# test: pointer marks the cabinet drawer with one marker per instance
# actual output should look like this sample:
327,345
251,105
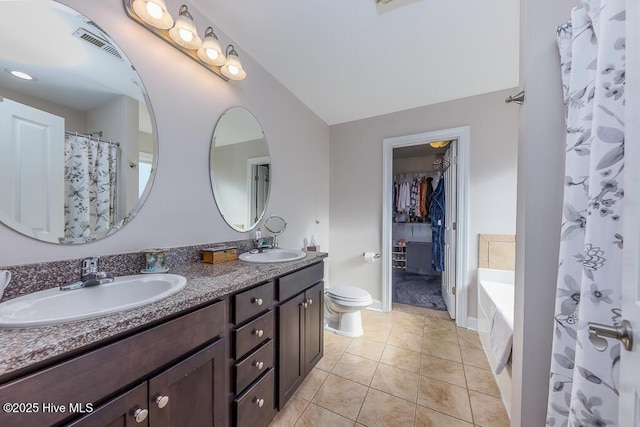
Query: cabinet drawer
252,302
250,335
253,366
255,408
111,367
294,283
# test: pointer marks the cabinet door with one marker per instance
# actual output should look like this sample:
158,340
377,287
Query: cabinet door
290,320
192,392
313,326
126,410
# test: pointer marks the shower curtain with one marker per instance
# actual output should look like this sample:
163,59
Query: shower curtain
583,389
90,176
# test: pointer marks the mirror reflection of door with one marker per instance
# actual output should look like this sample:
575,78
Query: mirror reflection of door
31,170
259,190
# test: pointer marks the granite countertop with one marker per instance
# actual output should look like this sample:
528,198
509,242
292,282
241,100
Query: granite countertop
20,348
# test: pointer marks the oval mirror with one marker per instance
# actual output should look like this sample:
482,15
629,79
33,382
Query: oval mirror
77,146
240,167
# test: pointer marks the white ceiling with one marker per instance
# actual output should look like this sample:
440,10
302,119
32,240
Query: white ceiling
352,59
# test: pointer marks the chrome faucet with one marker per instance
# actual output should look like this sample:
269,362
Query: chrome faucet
89,276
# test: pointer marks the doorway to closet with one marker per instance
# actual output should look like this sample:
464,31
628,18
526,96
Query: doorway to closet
424,221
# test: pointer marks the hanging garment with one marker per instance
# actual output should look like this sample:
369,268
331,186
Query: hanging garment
583,385
436,215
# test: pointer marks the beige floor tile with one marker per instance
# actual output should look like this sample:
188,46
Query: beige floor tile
488,411
426,417
311,384
444,397
395,381
355,368
481,380
316,416
440,334
334,346
443,370
290,413
376,332
468,338
341,396
475,357
407,340
436,323
401,358
381,409
337,341
366,348
443,350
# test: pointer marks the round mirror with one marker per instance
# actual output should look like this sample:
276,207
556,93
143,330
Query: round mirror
77,144
240,167
275,224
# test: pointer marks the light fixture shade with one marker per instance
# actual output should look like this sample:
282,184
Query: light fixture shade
184,31
211,51
232,68
154,13
439,144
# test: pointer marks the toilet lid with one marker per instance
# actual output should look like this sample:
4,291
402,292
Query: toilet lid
348,293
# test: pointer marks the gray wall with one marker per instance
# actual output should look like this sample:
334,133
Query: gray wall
356,181
187,101
540,188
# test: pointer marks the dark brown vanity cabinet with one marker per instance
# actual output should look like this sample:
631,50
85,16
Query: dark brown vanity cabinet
172,374
253,356
299,321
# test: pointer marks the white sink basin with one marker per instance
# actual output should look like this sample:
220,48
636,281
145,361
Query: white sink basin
55,306
273,255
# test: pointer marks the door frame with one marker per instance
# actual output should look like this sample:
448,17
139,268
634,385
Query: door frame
463,136
252,162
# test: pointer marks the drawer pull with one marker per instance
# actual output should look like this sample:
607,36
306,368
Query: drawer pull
258,401
258,365
162,401
140,415
257,301
258,332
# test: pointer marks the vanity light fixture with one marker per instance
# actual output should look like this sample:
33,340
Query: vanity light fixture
154,13
232,67
184,30
183,35
211,51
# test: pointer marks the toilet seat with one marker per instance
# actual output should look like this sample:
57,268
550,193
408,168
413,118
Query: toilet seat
349,295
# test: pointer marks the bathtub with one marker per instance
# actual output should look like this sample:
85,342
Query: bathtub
496,293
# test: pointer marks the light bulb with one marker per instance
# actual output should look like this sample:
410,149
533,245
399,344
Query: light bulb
21,75
185,35
233,69
212,54
154,10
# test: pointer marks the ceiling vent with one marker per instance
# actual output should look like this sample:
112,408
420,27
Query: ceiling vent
98,42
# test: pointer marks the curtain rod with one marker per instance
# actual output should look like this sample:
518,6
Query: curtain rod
92,136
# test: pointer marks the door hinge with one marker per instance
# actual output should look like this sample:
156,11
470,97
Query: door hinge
453,290
454,226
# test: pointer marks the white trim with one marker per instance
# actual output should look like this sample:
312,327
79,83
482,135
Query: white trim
251,162
463,135
472,323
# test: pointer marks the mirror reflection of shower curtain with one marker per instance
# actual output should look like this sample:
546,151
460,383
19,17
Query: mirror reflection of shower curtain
90,188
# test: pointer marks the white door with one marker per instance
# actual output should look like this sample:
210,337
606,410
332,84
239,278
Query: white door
451,214
630,360
31,170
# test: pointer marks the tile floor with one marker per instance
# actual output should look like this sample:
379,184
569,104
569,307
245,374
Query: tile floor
412,367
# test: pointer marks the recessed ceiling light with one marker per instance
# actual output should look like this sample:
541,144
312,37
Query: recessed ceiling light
20,74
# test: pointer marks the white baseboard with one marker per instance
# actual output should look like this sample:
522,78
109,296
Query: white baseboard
376,305
472,323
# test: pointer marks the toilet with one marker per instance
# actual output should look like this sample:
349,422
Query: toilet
342,308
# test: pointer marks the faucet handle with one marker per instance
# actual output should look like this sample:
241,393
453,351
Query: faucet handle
89,267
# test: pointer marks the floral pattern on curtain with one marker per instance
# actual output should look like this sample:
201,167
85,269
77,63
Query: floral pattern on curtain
583,389
90,176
